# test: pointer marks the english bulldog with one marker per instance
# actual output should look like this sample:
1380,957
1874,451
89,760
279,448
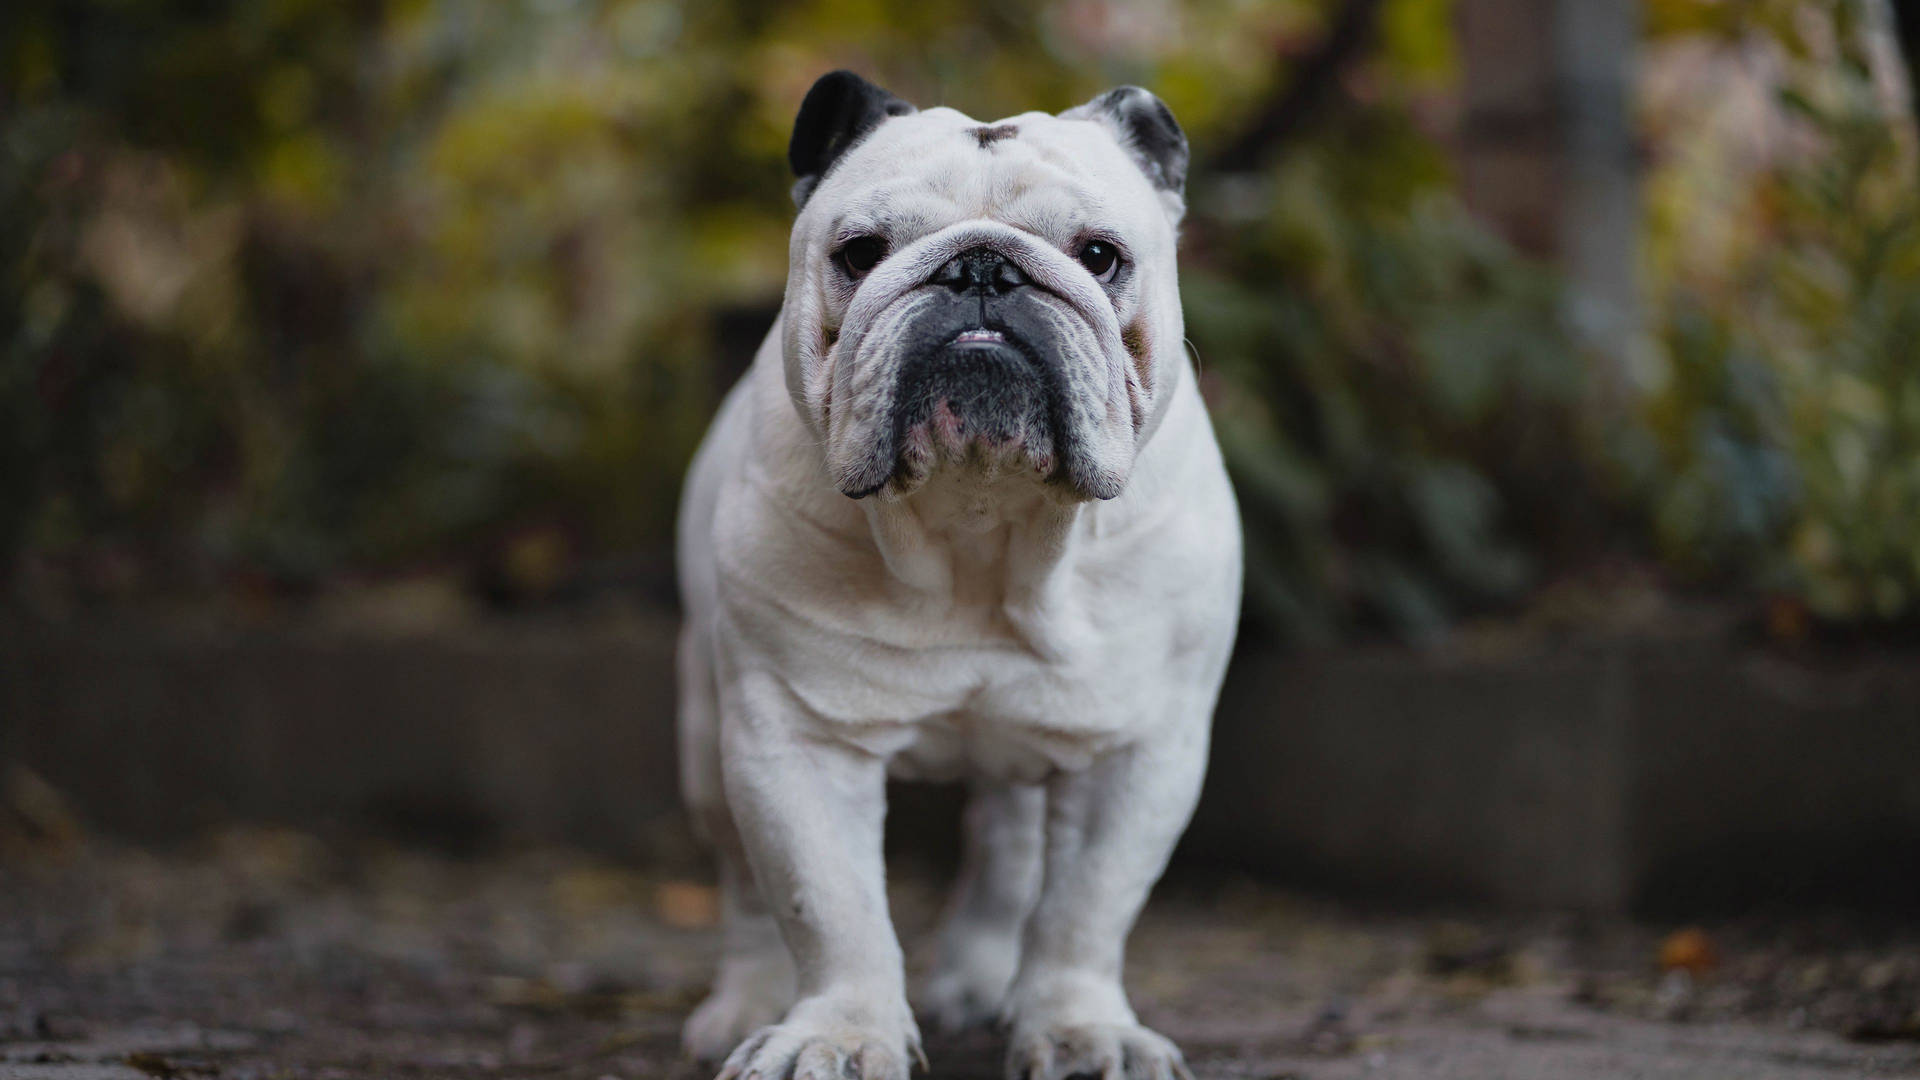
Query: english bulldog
963,518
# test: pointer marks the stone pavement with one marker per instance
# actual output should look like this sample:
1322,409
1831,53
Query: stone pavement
275,954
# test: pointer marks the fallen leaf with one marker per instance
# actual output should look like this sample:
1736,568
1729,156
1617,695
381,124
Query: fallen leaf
1689,950
687,905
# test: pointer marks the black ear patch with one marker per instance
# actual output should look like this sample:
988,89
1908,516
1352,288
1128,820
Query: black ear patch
1146,128
838,112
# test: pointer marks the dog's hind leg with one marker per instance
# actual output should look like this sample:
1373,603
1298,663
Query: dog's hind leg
1000,871
755,983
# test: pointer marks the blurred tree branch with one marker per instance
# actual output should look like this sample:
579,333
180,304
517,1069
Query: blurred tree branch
1906,19
1315,78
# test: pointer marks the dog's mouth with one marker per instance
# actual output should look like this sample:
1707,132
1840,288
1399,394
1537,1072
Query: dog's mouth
983,399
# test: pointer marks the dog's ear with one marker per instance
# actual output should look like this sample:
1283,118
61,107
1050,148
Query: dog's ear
839,111
1146,128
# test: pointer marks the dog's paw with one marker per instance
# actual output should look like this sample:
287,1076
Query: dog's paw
746,998
956,1000
1110,1051
826,1040
726,1018
969,984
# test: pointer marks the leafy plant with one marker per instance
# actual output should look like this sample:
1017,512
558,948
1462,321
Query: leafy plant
1390,381
1789,418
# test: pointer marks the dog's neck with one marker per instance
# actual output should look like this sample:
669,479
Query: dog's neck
965,539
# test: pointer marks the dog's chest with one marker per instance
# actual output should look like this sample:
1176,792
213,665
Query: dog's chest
994,708
1020,723
1024,664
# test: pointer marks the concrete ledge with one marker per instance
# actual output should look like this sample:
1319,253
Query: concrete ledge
1631,776
459,740
1641,776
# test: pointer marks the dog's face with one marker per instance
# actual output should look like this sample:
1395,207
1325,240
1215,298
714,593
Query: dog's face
999,297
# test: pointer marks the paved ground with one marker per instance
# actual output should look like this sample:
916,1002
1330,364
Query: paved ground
270,954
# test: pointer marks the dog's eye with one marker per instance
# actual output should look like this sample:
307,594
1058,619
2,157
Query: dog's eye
1101,259
861,254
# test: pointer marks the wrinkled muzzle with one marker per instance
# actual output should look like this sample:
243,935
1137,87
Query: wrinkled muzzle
980,347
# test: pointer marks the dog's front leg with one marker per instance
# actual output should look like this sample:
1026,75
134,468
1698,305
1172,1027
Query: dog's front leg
810,811
1110,829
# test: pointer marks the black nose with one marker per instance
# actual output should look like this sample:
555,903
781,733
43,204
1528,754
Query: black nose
980,269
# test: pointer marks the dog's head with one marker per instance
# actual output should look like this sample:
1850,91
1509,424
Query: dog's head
997,296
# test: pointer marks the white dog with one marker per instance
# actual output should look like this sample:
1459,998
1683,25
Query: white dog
964,517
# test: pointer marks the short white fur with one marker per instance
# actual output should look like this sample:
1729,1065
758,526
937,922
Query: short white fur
1061,653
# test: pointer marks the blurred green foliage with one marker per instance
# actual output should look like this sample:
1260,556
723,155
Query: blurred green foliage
302,289
1787,413
1374,350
